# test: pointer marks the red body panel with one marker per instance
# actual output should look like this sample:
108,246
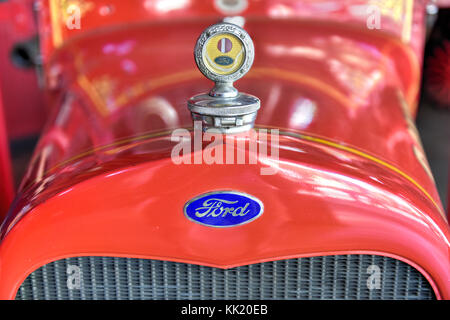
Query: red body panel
351,177
6,180
404,18
21,94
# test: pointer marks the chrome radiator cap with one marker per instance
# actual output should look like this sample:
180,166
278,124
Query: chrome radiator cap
224,53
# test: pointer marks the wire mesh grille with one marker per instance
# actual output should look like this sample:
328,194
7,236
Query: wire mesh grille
324,277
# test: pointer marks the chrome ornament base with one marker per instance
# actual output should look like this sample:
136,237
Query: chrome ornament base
225,115
224,53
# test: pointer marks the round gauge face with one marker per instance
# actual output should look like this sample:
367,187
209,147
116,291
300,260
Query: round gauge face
223,54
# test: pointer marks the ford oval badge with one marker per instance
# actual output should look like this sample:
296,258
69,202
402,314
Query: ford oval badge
223,60
223,209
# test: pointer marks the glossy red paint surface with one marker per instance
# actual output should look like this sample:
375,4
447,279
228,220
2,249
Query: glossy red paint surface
404,18
349,179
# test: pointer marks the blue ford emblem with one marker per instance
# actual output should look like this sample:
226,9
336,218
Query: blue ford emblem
223,209
223,60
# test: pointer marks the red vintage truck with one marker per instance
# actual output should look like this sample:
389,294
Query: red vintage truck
350,211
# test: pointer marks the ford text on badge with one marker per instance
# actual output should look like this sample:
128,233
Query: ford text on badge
223,209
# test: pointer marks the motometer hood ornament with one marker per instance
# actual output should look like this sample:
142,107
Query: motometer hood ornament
224,53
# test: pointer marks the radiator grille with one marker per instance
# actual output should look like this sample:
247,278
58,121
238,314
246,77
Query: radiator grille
325,277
